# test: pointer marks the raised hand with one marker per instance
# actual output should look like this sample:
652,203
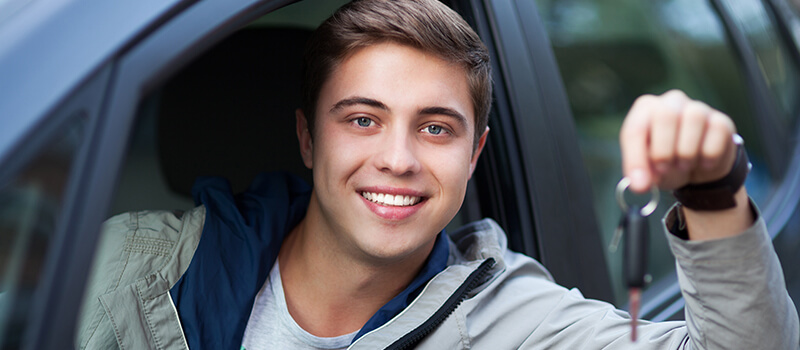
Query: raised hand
671,141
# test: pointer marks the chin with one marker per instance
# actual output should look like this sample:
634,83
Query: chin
394,249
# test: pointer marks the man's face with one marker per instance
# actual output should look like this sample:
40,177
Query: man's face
392,151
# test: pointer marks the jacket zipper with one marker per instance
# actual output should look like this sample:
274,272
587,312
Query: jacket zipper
412,338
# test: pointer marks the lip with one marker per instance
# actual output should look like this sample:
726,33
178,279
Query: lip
392,213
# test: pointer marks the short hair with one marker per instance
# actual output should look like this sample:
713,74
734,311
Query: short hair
427,25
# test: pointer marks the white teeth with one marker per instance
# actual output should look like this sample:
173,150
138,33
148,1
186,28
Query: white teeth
390,200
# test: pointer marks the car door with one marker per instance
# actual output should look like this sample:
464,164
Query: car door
61,160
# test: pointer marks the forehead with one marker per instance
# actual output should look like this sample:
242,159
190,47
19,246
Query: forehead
400,76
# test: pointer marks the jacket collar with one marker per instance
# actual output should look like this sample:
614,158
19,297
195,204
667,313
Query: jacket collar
241,238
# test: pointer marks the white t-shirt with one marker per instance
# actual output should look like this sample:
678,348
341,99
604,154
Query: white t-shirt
272,327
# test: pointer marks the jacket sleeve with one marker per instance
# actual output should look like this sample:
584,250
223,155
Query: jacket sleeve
132,247
734,290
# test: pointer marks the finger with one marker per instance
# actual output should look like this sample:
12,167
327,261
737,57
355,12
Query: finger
691,133
664,130
717,144
662,139
634,141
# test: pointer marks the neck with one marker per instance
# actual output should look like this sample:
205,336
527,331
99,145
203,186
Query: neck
329,291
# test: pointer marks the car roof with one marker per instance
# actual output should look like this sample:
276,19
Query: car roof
48,48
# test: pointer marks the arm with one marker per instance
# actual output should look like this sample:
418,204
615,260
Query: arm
729,274
734,290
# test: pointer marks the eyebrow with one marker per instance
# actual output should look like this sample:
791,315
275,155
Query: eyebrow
460,118
434,110
352,101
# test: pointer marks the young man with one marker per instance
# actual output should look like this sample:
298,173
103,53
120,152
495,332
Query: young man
396,102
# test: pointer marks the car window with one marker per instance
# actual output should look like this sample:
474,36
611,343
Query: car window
30,206
776,64
609,54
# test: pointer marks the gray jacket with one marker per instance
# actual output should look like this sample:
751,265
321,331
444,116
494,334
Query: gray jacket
734,291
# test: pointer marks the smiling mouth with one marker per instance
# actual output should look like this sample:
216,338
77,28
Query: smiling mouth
391,200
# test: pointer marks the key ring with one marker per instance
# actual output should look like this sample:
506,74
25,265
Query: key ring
648,209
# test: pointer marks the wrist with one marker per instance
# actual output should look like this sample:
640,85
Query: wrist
717,224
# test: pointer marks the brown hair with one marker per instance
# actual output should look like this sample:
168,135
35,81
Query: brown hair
427,25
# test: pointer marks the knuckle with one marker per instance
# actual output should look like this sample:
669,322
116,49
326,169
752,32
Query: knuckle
720,122
675,93
696,111
646,99
666,116
712,151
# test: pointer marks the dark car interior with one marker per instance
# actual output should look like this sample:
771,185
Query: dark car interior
230,113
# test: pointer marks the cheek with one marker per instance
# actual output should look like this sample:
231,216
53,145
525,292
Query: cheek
337,155
450,166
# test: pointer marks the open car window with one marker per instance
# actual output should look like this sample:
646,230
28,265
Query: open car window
608,55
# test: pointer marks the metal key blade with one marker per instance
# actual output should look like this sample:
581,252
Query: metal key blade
635,299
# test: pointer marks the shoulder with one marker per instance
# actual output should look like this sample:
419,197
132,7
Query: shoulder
515,278
486,239
133,245
517,295
137,243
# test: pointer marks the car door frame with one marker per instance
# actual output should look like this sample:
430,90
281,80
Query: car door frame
539,139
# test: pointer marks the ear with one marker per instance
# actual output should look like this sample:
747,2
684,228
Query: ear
304,138
477,153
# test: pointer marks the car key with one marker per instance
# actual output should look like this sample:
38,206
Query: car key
633,227
634,260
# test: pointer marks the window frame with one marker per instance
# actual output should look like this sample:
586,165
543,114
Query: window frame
528,84
61,280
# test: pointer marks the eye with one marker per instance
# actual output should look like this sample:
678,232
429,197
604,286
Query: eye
363,122
433,129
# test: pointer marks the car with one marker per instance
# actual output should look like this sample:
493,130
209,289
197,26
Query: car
113,107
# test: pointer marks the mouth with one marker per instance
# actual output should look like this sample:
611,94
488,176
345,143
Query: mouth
391,200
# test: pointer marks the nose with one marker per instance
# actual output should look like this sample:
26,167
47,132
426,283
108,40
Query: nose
398,155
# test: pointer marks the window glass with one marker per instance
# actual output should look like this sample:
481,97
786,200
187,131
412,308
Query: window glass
30,205
777,65
609,53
